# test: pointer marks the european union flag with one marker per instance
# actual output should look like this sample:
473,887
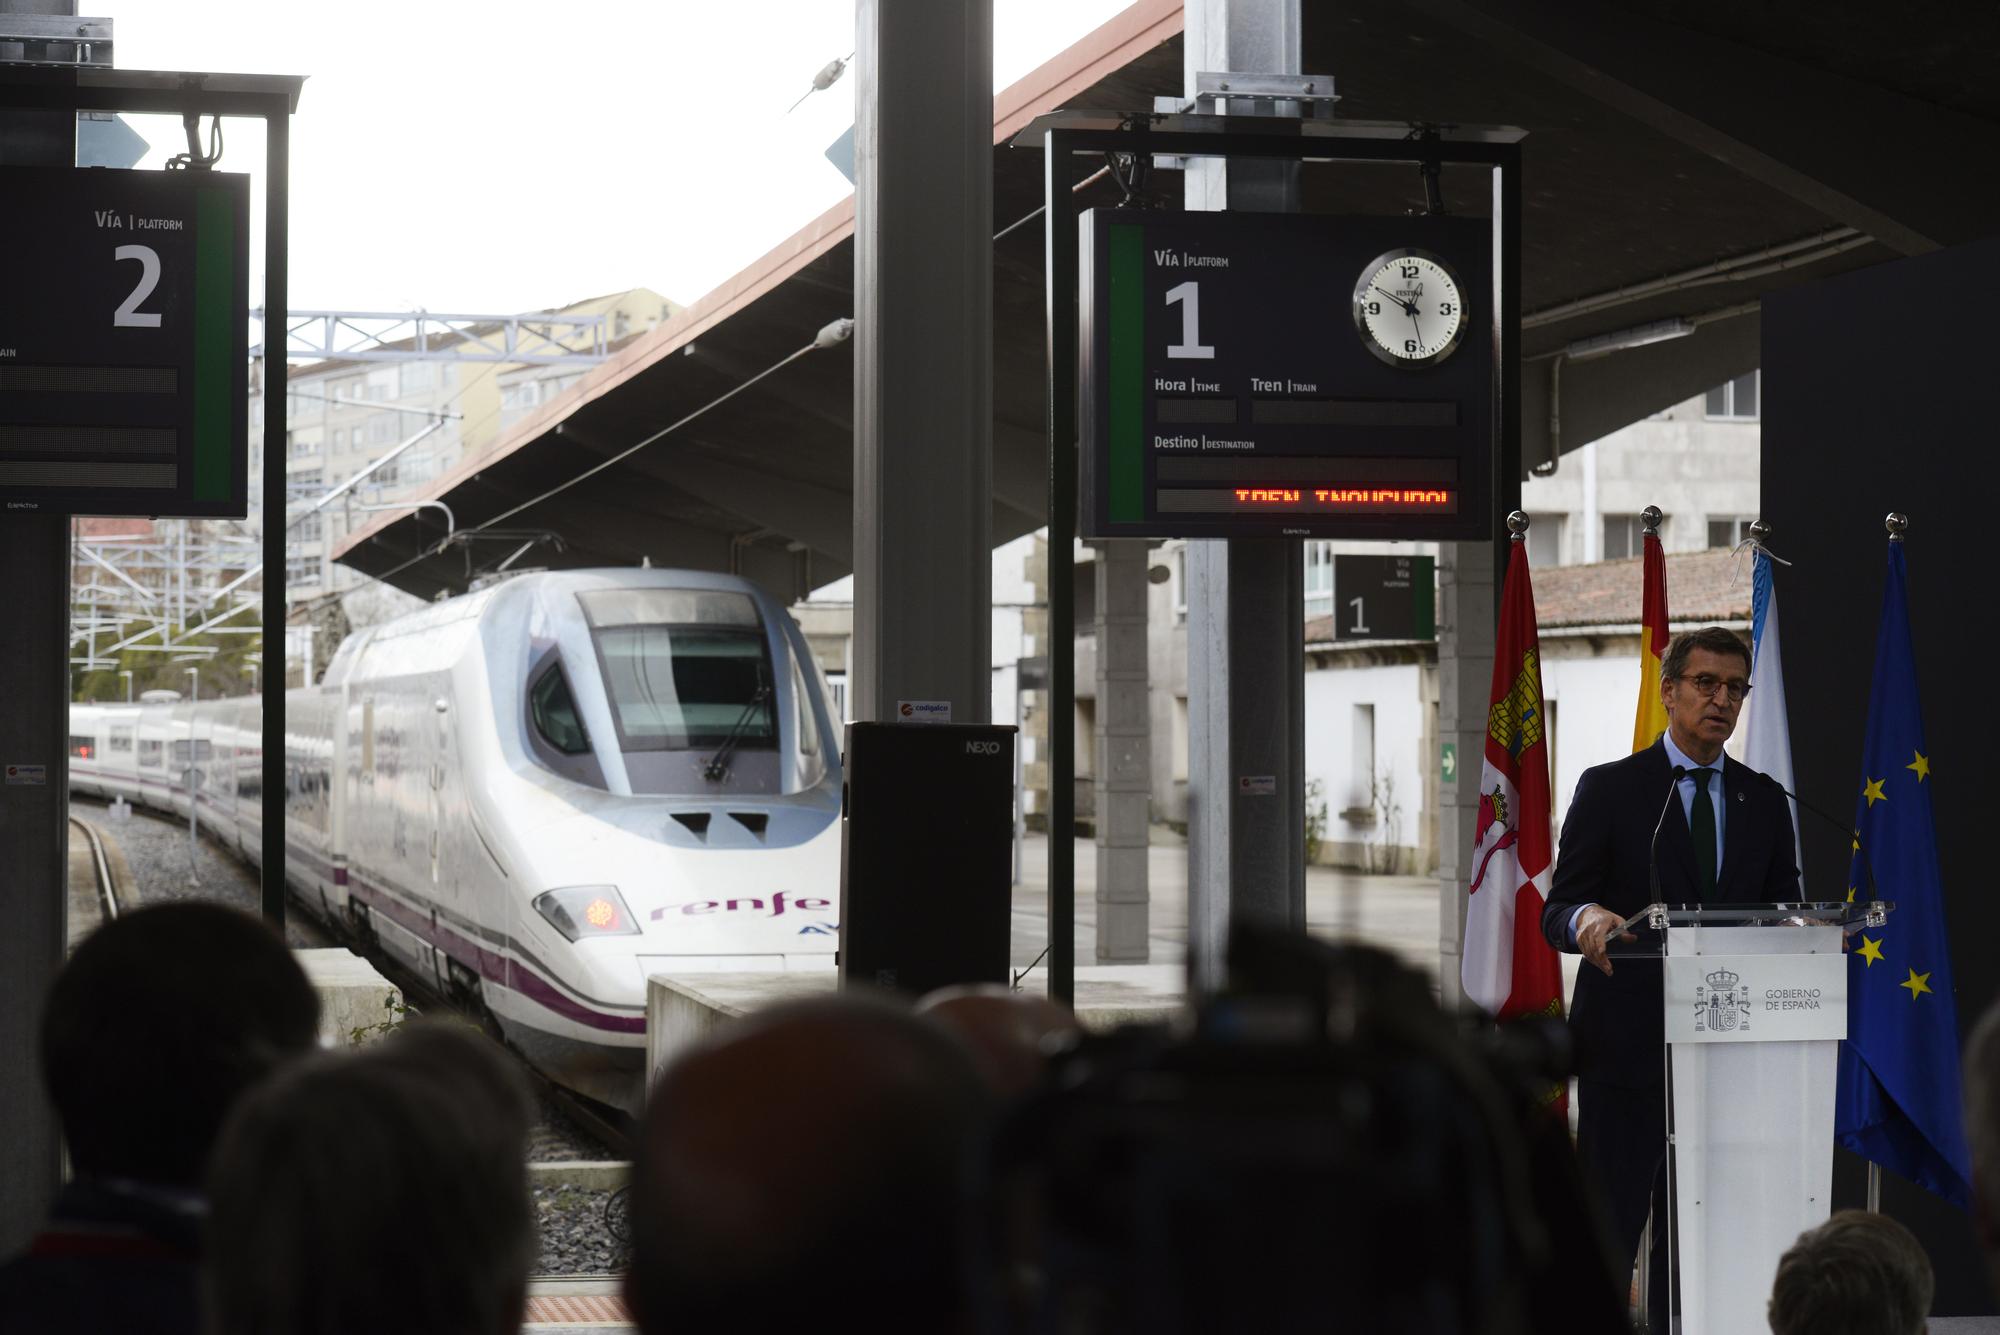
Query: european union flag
1898,1103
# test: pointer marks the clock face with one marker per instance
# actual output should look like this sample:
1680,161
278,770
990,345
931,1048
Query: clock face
1408,308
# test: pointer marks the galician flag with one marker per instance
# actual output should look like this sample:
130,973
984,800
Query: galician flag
1763,739
1508,968
1898,1098
1651,718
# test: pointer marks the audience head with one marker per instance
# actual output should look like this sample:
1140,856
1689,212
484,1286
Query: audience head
383,1190
820,1138
1856,1274
1982,1130
154,1028
1007,1033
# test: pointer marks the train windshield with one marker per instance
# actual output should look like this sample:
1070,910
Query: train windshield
684,668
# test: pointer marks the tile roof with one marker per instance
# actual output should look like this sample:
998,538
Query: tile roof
1702,588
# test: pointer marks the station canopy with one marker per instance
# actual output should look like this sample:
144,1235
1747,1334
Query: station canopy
1681,159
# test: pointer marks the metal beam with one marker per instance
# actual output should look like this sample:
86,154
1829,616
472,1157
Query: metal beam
531,339
1863,155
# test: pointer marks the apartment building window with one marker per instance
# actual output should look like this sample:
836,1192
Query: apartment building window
1624,535
388,475
301,570
1736,400
416,376
1545,541
381,428
1727,533
296,448
307,527
382,385
1319,579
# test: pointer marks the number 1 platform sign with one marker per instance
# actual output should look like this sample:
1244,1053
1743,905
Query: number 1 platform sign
124,359
1296,375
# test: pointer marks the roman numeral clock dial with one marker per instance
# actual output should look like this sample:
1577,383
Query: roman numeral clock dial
1409,309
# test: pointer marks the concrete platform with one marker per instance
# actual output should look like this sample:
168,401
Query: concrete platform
1397,913
353,997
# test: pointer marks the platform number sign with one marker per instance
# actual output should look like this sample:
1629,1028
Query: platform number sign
124,358
1286,375
1384,597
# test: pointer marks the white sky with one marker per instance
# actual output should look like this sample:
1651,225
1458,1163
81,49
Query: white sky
505,156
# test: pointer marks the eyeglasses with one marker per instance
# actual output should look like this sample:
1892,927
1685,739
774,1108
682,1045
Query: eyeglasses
1707,685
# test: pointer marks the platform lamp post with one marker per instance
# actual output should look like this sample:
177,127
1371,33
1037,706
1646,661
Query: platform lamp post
193,776
126,673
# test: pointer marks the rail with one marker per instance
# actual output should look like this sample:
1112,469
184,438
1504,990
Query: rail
107,892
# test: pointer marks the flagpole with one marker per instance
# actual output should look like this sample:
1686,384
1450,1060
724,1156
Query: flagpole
1897,525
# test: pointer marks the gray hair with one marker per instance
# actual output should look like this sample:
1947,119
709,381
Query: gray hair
1856,1274
1712,638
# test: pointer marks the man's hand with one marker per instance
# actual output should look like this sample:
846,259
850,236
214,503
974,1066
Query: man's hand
1593,935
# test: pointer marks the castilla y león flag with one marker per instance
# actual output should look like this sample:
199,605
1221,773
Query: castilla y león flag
1508,967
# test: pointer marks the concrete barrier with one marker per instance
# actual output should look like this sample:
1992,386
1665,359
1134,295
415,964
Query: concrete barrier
355,1001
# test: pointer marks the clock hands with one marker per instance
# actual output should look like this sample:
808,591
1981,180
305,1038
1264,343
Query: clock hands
1408,307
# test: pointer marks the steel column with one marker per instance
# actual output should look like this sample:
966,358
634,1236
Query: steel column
1246,596
34,817
271,869
923,364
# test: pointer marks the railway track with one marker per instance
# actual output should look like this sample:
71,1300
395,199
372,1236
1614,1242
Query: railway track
107,889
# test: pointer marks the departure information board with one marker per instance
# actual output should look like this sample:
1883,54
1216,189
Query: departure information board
124,357
1298,375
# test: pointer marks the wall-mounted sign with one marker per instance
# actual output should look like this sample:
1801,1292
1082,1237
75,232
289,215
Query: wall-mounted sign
1286,375
124,358
1384,597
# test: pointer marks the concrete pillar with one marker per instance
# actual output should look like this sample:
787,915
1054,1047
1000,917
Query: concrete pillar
923,356
34,730
1246,597
1468,603
1124,754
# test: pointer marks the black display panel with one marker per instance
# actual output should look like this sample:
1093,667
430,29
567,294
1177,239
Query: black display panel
1287,375
124,342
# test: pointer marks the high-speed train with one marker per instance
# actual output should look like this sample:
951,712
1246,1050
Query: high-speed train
537,795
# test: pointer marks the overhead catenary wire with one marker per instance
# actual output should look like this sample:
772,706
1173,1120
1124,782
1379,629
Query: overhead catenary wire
829,336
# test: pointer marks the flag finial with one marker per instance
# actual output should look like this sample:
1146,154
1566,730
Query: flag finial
1651,517
1897,524
1517,524
1760,532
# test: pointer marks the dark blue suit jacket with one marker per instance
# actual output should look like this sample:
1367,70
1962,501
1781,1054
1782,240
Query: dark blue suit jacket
1616,1022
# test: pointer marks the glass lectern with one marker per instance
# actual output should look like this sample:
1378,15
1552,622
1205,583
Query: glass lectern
1755,1001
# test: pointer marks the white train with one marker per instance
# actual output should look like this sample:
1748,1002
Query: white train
536,796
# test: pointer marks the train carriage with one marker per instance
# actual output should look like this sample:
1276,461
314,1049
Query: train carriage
537,795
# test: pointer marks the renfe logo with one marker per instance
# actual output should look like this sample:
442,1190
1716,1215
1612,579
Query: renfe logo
778,905
982,748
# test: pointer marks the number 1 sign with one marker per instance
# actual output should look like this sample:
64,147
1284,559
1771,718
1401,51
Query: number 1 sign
124,358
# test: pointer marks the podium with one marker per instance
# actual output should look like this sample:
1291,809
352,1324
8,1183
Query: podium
1755,1001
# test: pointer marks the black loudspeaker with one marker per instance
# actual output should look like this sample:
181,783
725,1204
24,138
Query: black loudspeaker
926,855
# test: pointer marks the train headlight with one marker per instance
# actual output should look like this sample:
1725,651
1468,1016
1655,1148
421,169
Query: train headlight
578,911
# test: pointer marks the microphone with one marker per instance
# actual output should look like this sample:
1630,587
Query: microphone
1867,865
1653,853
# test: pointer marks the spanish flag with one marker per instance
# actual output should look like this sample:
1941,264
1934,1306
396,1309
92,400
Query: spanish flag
1651,719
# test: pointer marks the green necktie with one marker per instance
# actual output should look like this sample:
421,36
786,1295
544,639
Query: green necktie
1701,824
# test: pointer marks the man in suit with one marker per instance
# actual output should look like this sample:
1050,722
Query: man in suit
1725,837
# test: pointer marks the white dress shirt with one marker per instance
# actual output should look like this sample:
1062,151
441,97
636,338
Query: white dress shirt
1686,788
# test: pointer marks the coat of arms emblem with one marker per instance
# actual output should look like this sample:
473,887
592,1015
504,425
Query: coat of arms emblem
1723,1004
